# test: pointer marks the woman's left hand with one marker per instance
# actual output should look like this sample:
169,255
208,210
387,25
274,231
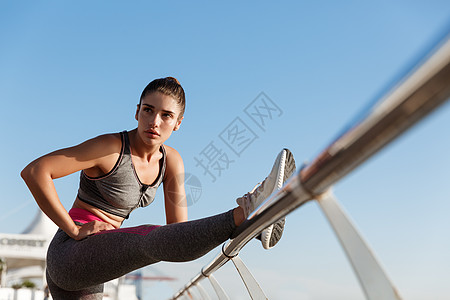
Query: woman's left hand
91,228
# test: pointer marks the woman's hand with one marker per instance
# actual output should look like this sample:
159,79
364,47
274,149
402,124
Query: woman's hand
91,228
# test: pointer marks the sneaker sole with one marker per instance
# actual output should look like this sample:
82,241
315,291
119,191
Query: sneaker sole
272,234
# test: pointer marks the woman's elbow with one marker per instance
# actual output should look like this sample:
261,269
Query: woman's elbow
30,171
25,174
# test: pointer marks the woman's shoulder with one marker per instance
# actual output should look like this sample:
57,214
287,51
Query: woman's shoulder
172,155
107,140
102,145
110,137
174,161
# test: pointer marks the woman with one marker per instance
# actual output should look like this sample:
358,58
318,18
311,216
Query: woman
120,172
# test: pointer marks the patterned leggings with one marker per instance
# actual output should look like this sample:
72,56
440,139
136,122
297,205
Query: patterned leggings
78,269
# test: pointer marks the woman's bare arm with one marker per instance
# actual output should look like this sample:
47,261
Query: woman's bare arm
39,175
174,193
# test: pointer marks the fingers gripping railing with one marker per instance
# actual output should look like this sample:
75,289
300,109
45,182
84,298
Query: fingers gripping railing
421,91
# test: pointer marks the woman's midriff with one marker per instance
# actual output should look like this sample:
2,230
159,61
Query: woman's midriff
114,220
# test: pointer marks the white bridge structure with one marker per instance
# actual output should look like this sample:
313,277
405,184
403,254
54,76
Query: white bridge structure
23,257
422,90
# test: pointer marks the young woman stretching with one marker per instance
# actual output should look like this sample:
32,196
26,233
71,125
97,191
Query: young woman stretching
120,172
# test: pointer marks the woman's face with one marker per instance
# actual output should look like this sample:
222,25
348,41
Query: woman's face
157,116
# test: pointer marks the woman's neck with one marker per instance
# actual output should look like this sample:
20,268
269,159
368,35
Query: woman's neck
140,149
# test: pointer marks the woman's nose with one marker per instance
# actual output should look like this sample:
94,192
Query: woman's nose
155,120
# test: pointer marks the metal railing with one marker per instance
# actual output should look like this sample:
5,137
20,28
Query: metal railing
423,89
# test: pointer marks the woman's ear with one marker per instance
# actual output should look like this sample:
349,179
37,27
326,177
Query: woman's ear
177,126
137,112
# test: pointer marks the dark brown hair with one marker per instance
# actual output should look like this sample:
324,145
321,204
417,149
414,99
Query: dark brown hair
169,86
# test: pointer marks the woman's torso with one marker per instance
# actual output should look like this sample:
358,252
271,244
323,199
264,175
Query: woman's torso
122,180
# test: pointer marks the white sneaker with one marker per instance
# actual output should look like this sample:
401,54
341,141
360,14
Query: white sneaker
282,169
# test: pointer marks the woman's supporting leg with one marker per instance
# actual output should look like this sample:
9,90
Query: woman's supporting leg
79,265
92,293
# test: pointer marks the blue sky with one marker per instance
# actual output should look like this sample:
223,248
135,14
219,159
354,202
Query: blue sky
70,71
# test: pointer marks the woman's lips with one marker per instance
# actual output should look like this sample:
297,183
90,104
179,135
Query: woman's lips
152,133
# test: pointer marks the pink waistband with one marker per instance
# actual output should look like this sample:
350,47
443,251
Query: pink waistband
82,215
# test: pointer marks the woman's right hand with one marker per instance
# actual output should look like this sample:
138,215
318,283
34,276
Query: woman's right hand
91,228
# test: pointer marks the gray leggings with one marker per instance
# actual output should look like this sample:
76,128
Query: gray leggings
78,269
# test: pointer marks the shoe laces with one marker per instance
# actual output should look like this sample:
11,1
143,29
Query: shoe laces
258,189
253,195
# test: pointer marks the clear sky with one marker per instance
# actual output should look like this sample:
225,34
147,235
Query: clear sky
74,70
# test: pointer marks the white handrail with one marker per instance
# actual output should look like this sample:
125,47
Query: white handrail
421,91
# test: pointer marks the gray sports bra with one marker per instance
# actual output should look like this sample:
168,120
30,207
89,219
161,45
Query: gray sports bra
120,191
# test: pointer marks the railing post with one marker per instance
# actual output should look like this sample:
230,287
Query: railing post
218,288
253,288
189,294
202,292
372,277
185,297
